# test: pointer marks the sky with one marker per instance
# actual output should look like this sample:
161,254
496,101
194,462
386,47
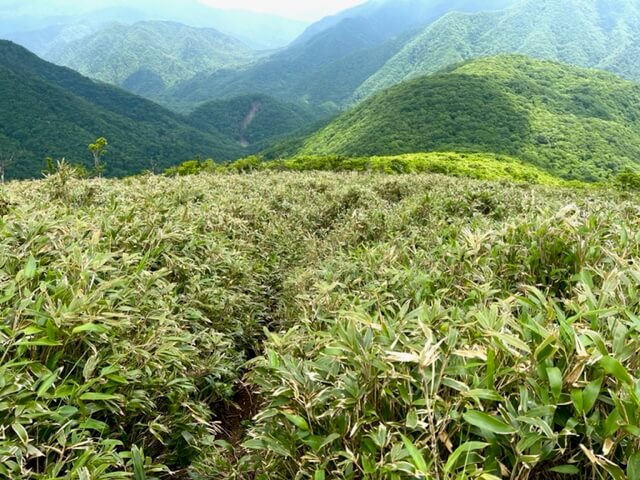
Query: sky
308,10
299,9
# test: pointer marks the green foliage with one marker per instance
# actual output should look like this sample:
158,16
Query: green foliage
245,165
191,167
127,319
148,57
478,166
98,150
459,343
628,180
577,32
285,325
51,111
574,123
253,121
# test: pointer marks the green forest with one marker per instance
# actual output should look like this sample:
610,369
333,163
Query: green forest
146,58
573,122
61,112
600,34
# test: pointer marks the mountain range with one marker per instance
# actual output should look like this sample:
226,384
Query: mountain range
29,23
149,57
602,34
333,57
342,59
46,110
402,76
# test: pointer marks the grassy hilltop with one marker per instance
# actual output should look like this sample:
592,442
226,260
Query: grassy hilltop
378,327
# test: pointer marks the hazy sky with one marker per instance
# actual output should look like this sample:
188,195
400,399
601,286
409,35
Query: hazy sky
299,9
302,9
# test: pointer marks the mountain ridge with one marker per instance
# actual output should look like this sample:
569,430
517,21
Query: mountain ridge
575,123
357,42
47,110
148,57
602,34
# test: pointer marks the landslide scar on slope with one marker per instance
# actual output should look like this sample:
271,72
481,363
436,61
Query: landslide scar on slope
256,106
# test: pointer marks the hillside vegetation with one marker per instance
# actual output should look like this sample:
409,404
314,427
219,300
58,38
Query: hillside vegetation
372,326
602,34
148,57
479,166
47,110
574,123
251,120
29,23
334,56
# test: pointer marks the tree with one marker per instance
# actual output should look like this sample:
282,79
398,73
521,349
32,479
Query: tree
6,161
98,150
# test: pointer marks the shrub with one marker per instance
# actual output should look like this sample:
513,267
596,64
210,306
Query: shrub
383,327
628,180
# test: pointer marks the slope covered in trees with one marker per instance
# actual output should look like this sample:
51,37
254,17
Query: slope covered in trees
149,57
332,58
30,22
251,120
46,110
603,34
573,122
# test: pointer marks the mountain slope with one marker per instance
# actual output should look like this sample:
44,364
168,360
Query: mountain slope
148,57
258,30
602,34
251,120
354,44
43,40
397,16
47,110
573,122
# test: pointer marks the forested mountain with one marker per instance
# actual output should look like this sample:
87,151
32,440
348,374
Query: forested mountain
148,57
46,110
41,34
251,120
333,57
28,20
398,16
343,59
573,122
602,34
245,101
42,41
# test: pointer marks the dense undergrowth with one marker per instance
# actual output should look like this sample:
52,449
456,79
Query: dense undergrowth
480,166
413,326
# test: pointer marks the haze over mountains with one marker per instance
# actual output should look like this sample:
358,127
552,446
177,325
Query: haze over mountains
149,57
26,20
242,82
